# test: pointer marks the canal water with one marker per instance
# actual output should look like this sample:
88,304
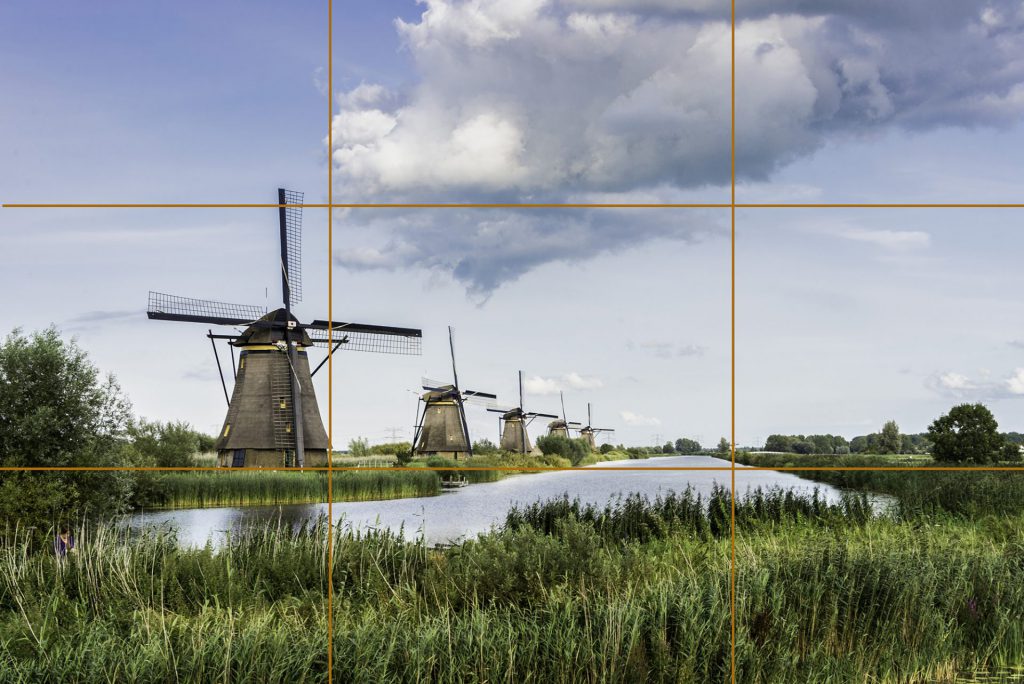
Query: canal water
465,512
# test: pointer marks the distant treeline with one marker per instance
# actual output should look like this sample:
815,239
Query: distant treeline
837,444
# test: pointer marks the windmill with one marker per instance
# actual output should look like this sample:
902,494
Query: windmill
588,431
561,427
273,419
514,437
442,427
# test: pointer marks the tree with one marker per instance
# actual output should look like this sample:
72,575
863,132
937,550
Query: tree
669,448
724,446
56,410
166,445
890,442
556,445
968,433
803,447
687,446
359,446
859,444
778,443
607,448
485,446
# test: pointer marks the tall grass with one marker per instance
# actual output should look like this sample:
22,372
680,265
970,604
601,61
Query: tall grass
247,488
632,591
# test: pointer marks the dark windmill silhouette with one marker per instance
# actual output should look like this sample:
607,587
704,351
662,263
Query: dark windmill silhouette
273,419
513,422
561,427
442,428
588,431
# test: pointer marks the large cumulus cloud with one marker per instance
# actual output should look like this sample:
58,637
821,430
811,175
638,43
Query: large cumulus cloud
579,100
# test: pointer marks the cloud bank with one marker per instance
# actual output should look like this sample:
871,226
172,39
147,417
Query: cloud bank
573,100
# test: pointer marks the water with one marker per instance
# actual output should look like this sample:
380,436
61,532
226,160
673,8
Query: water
465,512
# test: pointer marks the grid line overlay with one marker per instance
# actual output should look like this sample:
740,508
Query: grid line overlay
330,205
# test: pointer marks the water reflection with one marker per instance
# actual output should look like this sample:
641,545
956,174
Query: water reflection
468,511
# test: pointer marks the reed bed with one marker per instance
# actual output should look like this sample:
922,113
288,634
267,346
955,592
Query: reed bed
635,590
249,488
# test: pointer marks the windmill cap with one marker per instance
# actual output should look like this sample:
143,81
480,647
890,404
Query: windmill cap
444,392
270,330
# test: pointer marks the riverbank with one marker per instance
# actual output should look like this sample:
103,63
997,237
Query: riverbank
422,477
636,590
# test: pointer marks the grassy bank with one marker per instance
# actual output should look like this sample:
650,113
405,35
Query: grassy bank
633,591
250,488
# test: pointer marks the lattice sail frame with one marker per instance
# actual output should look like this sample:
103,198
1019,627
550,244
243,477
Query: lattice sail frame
380,342
293,241
162,305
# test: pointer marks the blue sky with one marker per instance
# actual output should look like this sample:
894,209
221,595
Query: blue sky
840,313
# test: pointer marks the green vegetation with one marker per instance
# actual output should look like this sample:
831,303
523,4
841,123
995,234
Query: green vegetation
635,590
969,434
145,610
255,488
573,450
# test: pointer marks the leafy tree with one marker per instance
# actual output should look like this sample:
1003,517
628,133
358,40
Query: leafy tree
1011,452
778,443
968,433
556,445
669,448
724,446
607,448
803,447
687,446
359,446
842,450
392,448
56,410
485,446
890,441
166,445
859,445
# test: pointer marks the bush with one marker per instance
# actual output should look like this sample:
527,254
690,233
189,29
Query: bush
167,445
485,446
359,446
607,448
555,445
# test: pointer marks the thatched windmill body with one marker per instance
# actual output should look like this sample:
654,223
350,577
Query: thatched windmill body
588,431
513,422
273,419
441,429
561,427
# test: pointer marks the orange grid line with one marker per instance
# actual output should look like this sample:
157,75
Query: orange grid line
518,205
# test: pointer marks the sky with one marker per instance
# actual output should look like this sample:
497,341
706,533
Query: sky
846,318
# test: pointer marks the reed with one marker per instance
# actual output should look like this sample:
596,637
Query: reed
250,488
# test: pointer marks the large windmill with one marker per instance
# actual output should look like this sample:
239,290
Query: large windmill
273,419
588,431
561,427
514,437
442,427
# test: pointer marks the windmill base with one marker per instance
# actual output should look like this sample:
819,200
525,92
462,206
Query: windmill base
267,458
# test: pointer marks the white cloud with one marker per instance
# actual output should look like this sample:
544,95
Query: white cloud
888,239
955,381
541,386
638,420
1015,383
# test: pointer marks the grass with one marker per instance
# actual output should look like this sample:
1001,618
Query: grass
635,590
250,488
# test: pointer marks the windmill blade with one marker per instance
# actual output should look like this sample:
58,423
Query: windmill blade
382,339
290,218
432,384
168,307
479,398
468,394
573,423
531,414
500,409
602,429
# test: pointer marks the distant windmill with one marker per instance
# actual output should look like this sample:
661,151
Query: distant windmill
273,419
442,428
588,431
561,427
514,437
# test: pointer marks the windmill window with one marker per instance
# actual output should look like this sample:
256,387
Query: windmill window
238,458
282,404
288,429
227,429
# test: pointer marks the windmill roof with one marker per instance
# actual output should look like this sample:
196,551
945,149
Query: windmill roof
270,329
444,392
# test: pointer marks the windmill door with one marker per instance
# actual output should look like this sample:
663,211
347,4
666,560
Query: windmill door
238,459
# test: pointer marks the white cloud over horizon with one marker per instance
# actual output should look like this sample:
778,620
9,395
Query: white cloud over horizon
638,420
